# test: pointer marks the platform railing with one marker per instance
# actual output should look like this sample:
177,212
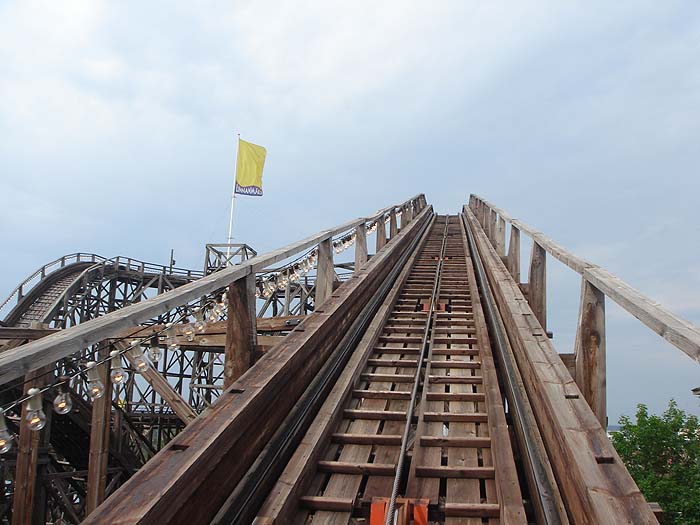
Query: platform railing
587,363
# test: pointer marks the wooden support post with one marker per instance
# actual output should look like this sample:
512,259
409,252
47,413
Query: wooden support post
589,350
99,440
287,298
501,236
493,220
513,262
28,445
393,226
325,275
241,336
381,234
537,284
361,245
404,218
409,212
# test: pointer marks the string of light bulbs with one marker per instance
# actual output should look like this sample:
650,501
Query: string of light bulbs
210,311
62,403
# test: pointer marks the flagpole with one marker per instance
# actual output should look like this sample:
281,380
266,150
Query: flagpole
233,207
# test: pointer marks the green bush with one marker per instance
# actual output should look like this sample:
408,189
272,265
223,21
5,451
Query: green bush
663,455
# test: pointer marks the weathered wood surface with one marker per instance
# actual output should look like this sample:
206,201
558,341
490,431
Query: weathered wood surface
197,470
595,484
281,504
537,284
360,246
513,257
325,273
17,362
241,335
99,439
589,350
679,332
28,445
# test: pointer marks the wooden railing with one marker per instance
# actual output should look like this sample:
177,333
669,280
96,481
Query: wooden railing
588,360
21,360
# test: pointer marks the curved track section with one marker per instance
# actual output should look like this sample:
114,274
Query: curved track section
84,286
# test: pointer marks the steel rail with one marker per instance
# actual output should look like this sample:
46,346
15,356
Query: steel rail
416,383
544,492
250,493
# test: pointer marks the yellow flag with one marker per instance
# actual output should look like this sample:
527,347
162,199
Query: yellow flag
249,168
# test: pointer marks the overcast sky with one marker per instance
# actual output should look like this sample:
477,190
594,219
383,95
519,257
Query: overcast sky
118,123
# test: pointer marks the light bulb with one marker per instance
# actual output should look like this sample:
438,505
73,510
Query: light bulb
138,360
199,323
117,375
171,342
62,403
95,387
5,436
155,353
188,331
36,418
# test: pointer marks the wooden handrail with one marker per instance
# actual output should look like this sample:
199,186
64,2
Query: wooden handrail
18,361
676,330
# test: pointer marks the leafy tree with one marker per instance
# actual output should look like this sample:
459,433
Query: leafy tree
663,455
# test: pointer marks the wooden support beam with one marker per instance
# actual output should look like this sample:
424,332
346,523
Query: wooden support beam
393,226
28,445
361,245
589,349
513,259
241,333
325,274
537,284
381,234
501,236
99,440
179,405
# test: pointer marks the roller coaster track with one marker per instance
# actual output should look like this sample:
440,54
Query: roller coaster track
424,388
67,281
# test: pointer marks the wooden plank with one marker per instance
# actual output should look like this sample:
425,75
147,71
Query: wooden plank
589,349
473,510
466,472
514,253
393,226
327,504
241,334
99,440
595,492
160,384
325,274
537,284
15,363
195,473
380,235
28,444
12,333
501,237
360,246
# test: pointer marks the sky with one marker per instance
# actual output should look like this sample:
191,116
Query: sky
118,125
